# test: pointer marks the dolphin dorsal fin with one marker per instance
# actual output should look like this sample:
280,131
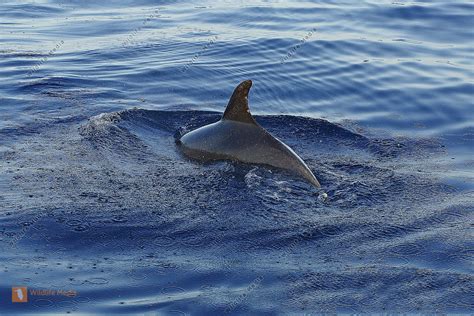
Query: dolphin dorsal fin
238,106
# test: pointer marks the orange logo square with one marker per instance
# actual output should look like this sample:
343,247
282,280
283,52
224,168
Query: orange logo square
19,294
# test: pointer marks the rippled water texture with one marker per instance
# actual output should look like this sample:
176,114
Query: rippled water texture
96,198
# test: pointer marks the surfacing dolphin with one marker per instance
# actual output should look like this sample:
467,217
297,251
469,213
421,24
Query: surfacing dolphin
237,136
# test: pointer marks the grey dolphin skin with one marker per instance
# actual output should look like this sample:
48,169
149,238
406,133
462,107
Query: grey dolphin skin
237,136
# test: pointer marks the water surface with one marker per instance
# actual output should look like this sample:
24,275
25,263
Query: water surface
95,197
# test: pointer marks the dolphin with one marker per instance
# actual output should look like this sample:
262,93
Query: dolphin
237,136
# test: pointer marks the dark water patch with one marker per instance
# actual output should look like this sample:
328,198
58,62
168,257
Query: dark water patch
312,290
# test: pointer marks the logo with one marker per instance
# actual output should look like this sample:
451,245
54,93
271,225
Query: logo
19,294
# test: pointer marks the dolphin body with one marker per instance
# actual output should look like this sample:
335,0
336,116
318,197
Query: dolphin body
237,136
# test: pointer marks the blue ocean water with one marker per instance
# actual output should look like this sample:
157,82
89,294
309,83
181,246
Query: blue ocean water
96,199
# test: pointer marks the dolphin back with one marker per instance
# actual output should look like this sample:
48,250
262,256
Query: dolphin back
238,136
